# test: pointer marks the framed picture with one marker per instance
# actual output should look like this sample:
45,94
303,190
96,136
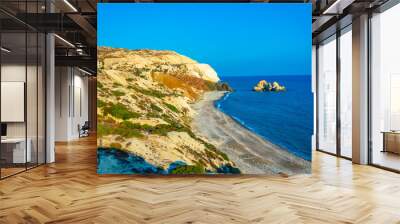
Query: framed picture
204,88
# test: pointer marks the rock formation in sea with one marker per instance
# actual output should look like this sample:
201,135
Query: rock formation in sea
143,107
264,86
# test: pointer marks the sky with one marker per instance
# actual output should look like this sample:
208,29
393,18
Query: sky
237,39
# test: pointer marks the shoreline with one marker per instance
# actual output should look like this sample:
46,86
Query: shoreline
243,124
251,153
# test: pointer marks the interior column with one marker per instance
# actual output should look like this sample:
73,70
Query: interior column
360,90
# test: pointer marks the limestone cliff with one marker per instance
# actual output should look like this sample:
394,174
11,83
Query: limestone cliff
144,99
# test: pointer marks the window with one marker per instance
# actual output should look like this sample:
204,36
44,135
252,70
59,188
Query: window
385,89
346,92
327,95
22,89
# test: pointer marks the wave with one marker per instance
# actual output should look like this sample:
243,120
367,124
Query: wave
241,123
217,103
226,96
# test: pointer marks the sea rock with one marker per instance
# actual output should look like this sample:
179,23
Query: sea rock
264,86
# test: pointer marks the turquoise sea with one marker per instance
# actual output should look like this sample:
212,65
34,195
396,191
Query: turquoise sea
283,118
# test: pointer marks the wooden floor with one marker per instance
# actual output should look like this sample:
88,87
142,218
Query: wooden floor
70,191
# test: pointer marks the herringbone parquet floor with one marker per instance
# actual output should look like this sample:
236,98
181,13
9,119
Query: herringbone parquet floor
70,191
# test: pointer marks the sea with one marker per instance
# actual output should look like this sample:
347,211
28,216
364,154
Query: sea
282,118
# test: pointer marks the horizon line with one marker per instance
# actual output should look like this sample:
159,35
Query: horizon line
265,75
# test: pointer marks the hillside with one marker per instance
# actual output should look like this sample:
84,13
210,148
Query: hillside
144,108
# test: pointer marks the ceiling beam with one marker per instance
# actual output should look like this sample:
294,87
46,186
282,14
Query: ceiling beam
86,26
77,61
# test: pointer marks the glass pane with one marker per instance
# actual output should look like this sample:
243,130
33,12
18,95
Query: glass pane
385,95
41,98
31,98
327,96
13,86
346,93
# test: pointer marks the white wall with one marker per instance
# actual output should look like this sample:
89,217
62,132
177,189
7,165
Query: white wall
62,82
16,73
71,102
12,73
33,126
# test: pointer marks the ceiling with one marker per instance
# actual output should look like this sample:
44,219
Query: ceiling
332,15
73,21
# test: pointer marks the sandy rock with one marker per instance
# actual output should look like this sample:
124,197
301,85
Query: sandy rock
264,86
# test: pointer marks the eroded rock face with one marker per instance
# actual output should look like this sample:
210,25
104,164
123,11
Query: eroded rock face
223,86
143,107
206,72
264,86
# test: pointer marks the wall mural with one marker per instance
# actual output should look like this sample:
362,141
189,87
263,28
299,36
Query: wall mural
204,89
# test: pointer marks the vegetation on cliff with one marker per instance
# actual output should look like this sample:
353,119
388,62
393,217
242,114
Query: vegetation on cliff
143,107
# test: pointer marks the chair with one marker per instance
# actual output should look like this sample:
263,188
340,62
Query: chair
84,130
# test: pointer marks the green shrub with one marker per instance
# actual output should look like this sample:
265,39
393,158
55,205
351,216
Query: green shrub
187,169
120,111
116,84
117,93
149,92
122,129
129,79
100,103
172,107
211,154
211,150
168,118
130,125
155,107
99,85
223,155
201,162
104,129
153,114
160,129
127,132
154,93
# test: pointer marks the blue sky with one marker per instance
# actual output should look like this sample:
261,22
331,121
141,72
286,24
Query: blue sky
235,39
